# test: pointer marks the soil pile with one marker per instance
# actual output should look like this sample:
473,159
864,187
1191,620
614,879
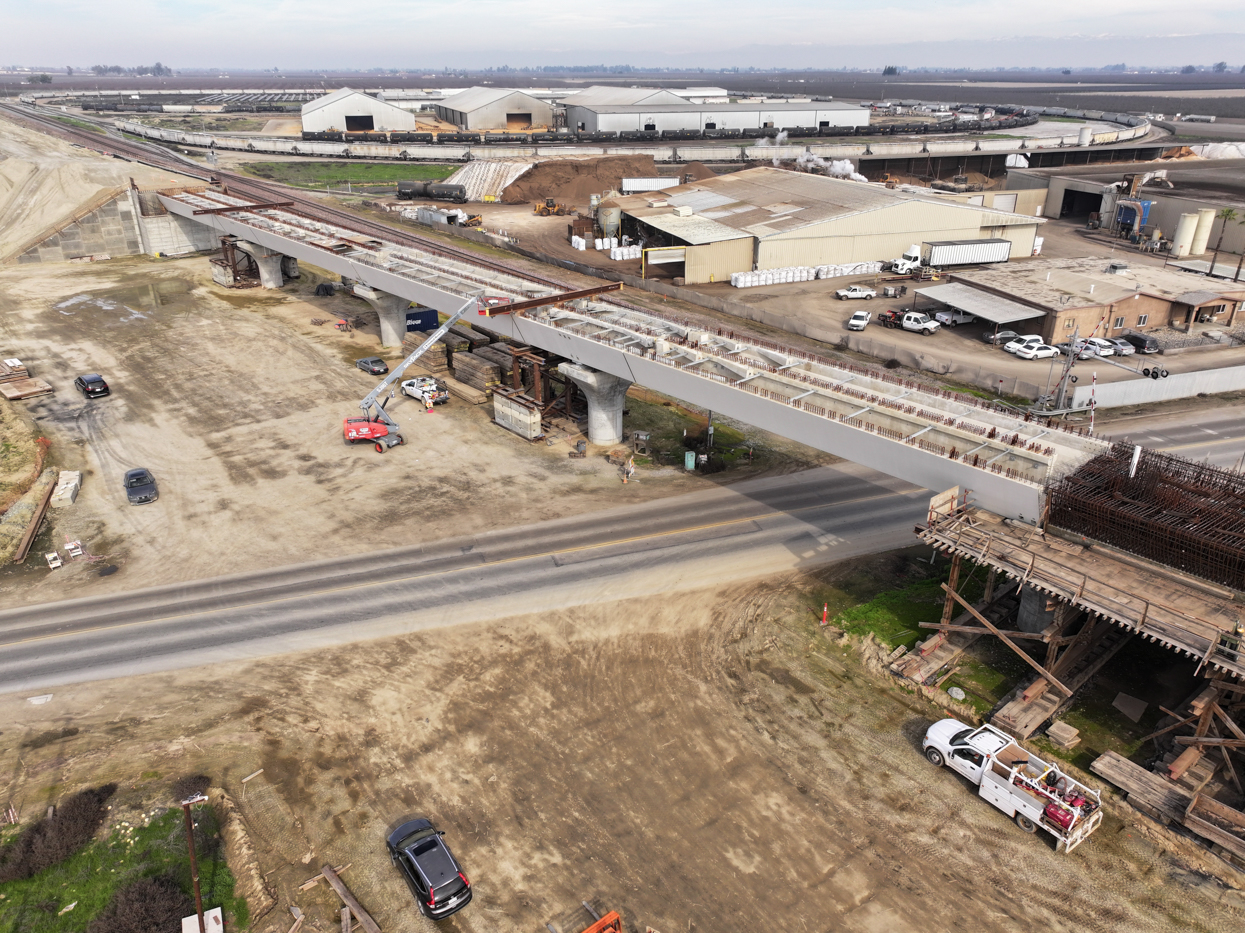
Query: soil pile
572,181
699,171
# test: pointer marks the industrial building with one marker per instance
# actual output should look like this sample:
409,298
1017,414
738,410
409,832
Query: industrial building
1148,202
769,218
351,111
1080,295
495,108
602,95
683,115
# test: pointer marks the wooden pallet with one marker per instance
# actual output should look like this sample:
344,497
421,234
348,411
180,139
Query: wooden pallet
24,388
13,371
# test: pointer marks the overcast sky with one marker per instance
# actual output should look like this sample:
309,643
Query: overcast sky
293,34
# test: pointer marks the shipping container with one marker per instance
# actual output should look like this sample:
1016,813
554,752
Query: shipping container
965,252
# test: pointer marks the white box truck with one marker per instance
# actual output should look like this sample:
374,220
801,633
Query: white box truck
965,252
1033,793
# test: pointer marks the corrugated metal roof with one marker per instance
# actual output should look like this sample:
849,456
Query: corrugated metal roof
693,230
1060,284
757,199
476,97
621,96
1200,297
682,106
343,94
980,304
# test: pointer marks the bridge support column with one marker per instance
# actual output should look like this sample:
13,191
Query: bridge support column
270,263
392,312
606,396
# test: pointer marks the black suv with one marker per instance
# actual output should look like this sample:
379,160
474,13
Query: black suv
434,877
91,385
373,364
1143,342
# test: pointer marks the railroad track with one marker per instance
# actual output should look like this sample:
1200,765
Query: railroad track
111,143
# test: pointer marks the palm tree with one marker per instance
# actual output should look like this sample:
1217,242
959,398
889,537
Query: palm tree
1225,215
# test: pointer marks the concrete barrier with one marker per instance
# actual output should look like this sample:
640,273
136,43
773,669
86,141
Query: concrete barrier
1178,385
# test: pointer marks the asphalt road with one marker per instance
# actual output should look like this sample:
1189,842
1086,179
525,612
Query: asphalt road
719,536
1215,436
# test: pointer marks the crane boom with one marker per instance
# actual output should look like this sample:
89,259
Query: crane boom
370,399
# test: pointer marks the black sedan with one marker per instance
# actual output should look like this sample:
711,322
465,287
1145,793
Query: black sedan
91,385
432,874
140,487
373,364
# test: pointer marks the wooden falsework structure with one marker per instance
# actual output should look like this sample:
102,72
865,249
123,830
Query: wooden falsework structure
1187,615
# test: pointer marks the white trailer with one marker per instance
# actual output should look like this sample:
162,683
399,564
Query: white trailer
1033,793
965,252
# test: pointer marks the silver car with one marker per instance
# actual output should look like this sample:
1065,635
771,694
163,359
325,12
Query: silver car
1122,346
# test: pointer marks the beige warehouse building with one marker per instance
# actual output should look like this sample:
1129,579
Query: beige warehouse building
770,218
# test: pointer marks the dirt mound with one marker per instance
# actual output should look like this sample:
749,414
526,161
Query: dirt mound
699,171
572,181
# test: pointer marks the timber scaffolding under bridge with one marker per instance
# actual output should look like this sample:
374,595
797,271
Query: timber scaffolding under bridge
1134,543
908,429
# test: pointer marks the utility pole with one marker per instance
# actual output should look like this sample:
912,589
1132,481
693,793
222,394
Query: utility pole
194,865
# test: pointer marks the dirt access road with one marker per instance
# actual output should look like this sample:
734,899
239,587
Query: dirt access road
701,761
234,400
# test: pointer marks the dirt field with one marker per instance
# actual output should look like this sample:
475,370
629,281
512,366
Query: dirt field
44,180
703,762
234,400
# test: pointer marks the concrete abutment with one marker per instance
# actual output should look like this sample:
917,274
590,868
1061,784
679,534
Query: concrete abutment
391,309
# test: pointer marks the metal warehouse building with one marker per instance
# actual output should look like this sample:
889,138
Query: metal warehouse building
682,115
769,218
354,112
495,108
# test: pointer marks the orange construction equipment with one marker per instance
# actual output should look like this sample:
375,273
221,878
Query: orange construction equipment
610,923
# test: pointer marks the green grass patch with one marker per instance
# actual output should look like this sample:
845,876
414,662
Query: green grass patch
895,616
94,874
80,124
335,174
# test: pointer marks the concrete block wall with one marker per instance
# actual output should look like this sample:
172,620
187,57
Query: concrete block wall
110,229
169,233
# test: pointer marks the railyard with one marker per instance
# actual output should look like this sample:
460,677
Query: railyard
578,663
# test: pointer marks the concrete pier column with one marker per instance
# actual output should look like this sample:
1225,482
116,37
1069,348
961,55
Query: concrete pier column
606,396
269,263
289,267
392,312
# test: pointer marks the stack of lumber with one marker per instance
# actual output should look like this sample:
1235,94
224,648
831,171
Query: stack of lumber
494,336
476,372
67,487
17,383
474,337
435,358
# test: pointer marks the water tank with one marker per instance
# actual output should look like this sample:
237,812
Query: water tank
1201,235
1183,239
1084,135
609,216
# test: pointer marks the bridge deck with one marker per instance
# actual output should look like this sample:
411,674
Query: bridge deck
909,429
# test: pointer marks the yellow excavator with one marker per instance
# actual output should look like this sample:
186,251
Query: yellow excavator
551,208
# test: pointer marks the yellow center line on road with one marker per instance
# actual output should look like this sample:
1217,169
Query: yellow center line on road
1206,443
433,573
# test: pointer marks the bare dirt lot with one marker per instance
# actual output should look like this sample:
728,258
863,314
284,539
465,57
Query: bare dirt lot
234,400
705,761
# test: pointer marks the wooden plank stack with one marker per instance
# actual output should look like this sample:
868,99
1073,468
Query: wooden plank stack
476,371
17,383
435,358
474,337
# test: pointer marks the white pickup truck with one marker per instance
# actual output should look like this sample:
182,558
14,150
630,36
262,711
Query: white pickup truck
855,291
1032,792
909,320
953,317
